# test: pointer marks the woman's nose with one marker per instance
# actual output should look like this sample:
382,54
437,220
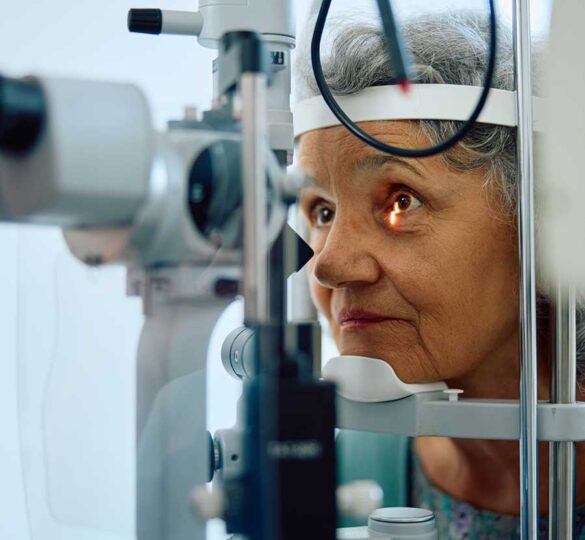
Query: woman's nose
346,259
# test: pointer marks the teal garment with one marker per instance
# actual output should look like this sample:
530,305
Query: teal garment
374,456
391,461
459,520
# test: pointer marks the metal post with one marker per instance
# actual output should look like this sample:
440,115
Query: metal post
254,136
528,353
564,380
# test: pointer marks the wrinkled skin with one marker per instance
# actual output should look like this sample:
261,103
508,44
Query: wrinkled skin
440,271
417,264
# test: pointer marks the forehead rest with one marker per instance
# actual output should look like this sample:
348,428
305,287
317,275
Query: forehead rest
421,102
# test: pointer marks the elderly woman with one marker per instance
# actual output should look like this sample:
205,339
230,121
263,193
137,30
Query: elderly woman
434,290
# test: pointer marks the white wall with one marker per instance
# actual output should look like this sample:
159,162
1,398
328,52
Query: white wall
68,334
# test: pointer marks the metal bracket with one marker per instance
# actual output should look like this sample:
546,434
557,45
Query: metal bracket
432,414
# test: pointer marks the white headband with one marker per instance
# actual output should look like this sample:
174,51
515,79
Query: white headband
422,102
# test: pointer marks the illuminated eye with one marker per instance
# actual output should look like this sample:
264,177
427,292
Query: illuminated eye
323,215
404,202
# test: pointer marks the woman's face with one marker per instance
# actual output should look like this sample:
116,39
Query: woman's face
414,263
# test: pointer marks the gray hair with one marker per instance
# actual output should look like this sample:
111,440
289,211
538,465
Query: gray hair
445,48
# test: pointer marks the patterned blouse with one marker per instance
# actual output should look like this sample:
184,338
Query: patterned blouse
457,520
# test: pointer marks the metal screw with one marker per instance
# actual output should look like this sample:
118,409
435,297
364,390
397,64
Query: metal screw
453,393
216,455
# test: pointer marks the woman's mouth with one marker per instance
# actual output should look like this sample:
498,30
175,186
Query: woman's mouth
357,318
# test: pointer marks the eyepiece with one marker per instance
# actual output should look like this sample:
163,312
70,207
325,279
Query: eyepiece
145,21
159,21
22,114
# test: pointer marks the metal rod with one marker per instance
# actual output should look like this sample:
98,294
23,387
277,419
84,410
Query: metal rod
563,384
528,353
254,136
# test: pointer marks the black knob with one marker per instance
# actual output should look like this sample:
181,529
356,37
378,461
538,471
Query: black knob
145,21
22,114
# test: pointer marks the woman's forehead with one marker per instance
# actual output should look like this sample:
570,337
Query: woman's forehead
324,151
402,130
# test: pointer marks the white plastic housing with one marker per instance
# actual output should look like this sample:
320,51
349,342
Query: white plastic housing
279,115
275,17
92,163
398,523
163,231
359,498
182,23
561,187
370,380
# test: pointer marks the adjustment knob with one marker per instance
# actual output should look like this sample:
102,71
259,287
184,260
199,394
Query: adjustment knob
403,523
22,114
159,21
359,498
208,503
145,21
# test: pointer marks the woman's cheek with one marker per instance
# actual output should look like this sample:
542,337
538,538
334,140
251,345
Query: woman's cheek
316,241
321,295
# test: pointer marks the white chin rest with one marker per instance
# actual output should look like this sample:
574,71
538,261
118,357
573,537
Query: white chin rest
370,380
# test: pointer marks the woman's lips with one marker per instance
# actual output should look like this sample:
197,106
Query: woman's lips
353,318
361,323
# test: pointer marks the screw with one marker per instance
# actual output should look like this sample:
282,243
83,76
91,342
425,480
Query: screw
453,393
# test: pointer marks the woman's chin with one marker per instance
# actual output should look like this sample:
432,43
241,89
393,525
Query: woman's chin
351,345
406,367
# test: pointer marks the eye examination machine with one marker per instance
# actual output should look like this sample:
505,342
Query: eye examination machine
207,211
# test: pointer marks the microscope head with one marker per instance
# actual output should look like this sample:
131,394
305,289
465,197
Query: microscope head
73,153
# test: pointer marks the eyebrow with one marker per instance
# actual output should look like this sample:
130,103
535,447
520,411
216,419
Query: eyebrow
370,162
377,161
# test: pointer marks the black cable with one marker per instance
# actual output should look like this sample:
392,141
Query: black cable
394,43
368,139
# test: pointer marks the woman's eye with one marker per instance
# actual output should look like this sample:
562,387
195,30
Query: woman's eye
322,215
405,202
402,202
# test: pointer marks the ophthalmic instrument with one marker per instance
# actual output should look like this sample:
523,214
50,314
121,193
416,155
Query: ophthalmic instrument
198,214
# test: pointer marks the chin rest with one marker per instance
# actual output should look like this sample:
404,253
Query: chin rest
371,380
